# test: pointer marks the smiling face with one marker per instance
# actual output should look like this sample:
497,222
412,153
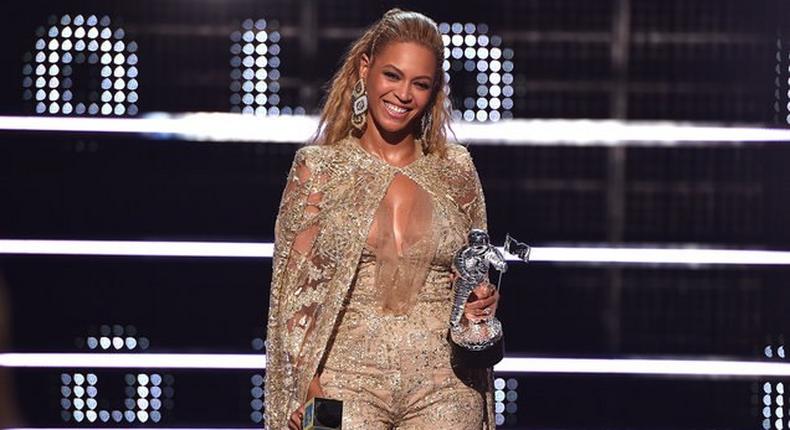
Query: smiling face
400,81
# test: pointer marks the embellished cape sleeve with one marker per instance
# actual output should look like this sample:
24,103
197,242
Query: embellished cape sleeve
295,228
324,216
466,188
477,206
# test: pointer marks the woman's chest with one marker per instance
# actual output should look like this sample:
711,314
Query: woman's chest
415,216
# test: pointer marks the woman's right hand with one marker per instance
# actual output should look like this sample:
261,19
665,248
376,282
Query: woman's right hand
313,390
295,422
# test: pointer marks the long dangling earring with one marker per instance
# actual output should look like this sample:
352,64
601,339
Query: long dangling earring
359,105
425,125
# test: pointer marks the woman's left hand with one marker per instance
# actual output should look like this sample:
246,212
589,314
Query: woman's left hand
482,303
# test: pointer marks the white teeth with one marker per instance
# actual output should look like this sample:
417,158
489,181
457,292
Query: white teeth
395,109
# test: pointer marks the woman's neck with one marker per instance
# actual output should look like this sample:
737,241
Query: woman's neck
397,150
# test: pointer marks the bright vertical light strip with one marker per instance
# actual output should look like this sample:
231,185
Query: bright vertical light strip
255,70
773,392
499,401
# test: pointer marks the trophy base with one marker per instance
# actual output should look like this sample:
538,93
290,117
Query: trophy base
463,358
477,336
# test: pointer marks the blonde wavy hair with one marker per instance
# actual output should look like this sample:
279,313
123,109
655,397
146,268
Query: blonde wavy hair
395,26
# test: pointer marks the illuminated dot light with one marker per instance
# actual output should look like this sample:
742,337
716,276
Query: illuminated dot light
257,380
78,401
115,338
468,47
257,398
145,394
68,42
505,398
255,70
773,394
778,80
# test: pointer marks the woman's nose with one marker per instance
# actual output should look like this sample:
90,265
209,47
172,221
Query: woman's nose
403,93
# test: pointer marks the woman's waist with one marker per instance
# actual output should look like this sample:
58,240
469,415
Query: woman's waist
364,318
436,287
386,339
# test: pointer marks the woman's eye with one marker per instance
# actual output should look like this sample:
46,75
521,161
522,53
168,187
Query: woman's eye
423,85
390,75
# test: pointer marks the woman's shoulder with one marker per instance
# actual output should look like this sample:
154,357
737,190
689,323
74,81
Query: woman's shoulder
331,160
311,151
312,154
455,149
458,154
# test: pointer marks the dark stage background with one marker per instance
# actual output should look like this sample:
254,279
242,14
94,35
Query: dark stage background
711,61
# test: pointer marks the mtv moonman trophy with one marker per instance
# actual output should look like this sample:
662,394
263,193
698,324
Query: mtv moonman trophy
471,264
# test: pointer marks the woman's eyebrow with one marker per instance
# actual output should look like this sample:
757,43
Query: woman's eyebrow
401,72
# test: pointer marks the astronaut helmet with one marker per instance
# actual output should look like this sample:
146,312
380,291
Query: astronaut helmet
478,238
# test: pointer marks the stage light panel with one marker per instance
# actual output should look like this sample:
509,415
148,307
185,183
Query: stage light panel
61,45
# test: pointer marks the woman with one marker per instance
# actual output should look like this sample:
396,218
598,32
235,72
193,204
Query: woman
370,218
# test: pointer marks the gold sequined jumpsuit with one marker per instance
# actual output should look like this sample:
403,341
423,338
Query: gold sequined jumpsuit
367,306
392,370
